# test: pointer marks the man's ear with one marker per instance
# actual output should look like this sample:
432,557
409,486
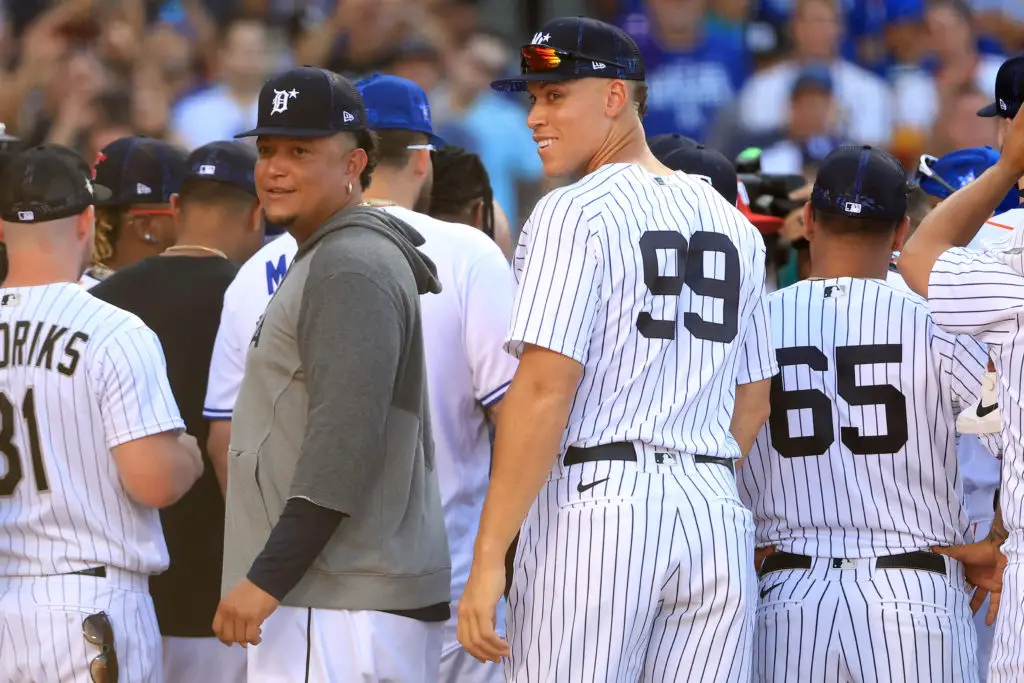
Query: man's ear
85,223
256,217
476,213
176,206
901,234
809,227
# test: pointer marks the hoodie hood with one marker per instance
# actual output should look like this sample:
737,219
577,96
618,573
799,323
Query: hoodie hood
403,235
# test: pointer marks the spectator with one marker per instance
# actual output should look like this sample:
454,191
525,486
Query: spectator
229,106
111,119
497,124
693,68
864,101
811,130
958,125
1003,19
417,60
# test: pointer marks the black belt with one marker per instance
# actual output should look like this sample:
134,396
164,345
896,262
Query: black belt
624,452
919,560
98,572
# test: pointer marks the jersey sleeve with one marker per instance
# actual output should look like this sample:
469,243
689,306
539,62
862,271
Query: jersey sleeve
135,394
559,281
487,311
757,358
227,365
971,292
963,361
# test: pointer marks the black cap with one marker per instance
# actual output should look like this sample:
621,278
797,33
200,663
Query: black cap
1009,90
308,102
45,183
861,182
681,153
585,48
140,170
225,161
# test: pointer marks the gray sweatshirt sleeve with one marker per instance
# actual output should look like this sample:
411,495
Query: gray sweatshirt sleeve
350,342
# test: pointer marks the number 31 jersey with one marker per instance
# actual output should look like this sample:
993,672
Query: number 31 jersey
78,377
858,458
655,284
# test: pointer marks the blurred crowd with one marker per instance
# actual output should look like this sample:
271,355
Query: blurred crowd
793,77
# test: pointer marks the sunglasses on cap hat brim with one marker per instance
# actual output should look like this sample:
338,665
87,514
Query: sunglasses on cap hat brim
925,170
543,64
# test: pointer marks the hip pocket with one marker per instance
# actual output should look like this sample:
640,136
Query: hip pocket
244,490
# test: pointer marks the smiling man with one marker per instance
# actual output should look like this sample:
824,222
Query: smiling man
333,509
644,358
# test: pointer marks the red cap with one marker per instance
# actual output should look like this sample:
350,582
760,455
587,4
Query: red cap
767,225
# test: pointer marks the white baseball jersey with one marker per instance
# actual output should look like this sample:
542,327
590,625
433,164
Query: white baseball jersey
655,285
78,377
858,458
245,300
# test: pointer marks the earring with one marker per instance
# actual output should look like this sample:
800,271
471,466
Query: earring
350,188
149,238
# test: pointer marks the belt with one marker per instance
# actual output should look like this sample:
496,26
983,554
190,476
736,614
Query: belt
919,560
98,572
624,452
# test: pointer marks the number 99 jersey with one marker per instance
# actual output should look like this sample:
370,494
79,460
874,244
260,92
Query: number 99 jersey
655,284
858,458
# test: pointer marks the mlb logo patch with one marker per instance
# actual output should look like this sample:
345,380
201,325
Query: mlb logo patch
26,215
834,291
207,169
143,189
852,207
9,300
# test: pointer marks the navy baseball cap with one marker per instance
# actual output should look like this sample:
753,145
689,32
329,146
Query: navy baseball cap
139,170
941,177
1009,90
46,183
225,161
308,102
394,103
861,182
681,153
576,47
813,78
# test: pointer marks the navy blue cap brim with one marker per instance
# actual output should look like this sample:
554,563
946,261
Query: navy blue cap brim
518,83
989,110
101,193
295,132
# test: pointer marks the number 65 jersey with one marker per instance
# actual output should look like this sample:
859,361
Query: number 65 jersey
858,458
655,285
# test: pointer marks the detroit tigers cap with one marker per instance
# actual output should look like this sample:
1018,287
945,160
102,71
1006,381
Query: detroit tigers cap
139,170
1009,90
945,175
394,103
45,183
225,161
861,182
308,102
681,153
576,47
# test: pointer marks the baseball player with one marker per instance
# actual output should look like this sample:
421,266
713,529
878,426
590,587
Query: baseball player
464,329
89,444
855,476
644,358
977,293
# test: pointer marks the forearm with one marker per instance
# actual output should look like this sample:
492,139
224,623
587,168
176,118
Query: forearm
528,438
998,533
953,223
217,449
750,412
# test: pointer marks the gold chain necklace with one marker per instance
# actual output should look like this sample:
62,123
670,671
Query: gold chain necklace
376,202
196,247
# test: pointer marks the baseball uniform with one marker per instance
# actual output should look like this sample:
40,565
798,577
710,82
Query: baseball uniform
77,377
975,292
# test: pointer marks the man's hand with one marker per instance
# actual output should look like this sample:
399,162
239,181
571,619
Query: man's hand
1011,156
983,565
241,614
762,554
478,608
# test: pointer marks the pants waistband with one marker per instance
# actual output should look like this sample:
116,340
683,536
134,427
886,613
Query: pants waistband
625,452
918,560
116,578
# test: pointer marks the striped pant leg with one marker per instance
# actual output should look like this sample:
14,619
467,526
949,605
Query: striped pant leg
795,637
908,626
704,626
44,618
1007,660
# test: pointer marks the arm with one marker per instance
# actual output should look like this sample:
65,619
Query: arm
141,420
957,219
217,442
750,413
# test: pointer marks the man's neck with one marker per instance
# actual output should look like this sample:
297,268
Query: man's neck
202,234
387,187
36,274
303,229
844,260
630,148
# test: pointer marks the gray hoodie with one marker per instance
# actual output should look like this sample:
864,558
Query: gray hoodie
333,408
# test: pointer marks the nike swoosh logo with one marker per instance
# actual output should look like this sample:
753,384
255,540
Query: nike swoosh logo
985,410
768,590
581,487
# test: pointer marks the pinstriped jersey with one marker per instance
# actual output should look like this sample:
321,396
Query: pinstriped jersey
655,284
981,293
78,377
859,455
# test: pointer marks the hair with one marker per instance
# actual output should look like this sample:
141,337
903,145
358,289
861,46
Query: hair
459,180
367,141
214,193
958,7
115,107
639,95
109,221
847,225
800,5
393,146
918,206
240,18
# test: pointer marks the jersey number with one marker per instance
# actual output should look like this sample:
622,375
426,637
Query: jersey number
847,359
689,258
9,452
